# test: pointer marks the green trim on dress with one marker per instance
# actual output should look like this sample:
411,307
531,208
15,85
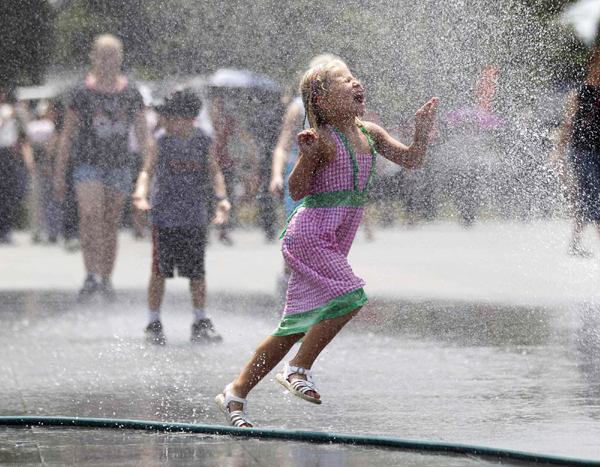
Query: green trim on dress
332,199
301,322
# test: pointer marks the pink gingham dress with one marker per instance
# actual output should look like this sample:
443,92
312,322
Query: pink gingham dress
316,246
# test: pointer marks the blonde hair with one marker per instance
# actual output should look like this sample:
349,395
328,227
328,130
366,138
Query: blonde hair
315,83
322,59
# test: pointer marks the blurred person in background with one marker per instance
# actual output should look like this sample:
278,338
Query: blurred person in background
96,134
285,156
70,210
264,125
223,125
53,209
44,210
255,105
387,189
469,162
580,132
16,158
185,179
134,218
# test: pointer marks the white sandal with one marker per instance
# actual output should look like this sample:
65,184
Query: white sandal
298,387
237,418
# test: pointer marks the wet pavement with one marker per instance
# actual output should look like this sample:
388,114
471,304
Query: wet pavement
519,370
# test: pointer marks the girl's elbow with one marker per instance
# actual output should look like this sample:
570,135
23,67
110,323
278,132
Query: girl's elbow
296,195
416,164
415,160
297,191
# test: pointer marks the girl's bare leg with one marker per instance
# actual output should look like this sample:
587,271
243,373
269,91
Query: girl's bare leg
268,354
272,350
317,338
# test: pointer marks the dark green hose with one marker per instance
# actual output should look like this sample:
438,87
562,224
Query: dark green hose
303,436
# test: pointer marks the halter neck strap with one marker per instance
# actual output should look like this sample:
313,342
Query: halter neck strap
353,157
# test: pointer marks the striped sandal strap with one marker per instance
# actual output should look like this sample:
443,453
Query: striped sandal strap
303,386
231,398
239,419
290,370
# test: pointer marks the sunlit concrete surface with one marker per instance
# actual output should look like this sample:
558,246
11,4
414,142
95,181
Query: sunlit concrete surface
504,351
512,262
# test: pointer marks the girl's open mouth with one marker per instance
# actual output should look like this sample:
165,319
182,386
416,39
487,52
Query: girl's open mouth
359,98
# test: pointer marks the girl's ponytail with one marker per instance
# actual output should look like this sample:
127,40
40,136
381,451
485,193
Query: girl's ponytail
313,85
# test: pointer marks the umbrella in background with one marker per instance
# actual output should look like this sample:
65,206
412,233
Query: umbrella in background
232,78
253,98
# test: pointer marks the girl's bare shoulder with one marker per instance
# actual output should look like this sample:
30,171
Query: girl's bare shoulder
380,137
374,130
326,141
327,146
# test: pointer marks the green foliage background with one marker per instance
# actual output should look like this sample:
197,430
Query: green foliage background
404,51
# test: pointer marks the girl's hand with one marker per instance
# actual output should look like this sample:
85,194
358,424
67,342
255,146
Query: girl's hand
425,119
221,212
308,143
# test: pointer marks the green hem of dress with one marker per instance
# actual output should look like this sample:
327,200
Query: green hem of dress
334,308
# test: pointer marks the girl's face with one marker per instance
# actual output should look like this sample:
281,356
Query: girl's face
345,96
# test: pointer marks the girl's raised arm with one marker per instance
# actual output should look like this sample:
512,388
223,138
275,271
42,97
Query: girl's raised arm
413,156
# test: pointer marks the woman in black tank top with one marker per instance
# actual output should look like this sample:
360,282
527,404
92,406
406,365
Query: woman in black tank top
580,130
96,130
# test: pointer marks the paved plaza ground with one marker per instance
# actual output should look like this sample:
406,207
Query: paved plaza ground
506,263
488,336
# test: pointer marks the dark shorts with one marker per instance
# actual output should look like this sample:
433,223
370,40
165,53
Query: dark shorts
180,248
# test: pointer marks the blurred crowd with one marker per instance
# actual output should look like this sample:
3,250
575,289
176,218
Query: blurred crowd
482,164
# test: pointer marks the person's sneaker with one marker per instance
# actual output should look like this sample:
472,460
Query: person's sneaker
90,287
154,334
203,332
106,290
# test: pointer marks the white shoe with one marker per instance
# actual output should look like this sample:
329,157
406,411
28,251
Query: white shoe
299,387
237,418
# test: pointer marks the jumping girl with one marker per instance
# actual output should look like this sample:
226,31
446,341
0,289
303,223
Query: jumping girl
333,173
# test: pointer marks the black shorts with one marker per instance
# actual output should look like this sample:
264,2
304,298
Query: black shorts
180,248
